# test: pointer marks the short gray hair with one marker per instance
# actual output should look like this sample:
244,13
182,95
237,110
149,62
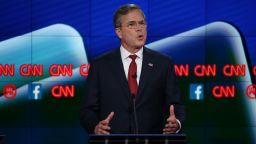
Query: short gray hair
123,10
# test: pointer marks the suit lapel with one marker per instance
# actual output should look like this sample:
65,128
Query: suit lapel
119,73
147,67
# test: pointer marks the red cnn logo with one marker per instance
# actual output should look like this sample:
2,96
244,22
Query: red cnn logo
58,69
31,70
205,70
223,91
181,70
234,70
251,91
59,91
7,69
84,69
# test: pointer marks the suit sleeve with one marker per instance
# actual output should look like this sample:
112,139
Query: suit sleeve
89,113
173,96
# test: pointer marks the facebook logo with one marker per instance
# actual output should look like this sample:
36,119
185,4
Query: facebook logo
196,92
35,91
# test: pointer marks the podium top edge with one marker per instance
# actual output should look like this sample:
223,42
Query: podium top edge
136,135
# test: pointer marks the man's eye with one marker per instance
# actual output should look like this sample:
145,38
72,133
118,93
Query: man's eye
131,24
142,23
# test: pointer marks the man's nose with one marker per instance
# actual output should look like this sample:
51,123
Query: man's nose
138,28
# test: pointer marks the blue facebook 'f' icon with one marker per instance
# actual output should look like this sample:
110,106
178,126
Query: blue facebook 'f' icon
35,91
196,92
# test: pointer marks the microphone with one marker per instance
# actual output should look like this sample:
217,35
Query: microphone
135,115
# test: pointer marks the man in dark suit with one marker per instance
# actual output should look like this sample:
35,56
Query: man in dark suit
132,89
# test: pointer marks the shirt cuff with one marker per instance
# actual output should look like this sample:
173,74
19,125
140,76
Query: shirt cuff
178,121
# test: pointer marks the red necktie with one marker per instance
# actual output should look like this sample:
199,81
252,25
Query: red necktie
132,76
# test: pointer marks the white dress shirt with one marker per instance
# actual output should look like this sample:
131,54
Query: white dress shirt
126,61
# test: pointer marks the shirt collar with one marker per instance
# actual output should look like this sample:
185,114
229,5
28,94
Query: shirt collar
125,54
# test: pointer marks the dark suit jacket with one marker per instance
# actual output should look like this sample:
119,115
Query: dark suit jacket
107,90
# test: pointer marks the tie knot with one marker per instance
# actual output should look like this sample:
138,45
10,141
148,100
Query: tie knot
133,57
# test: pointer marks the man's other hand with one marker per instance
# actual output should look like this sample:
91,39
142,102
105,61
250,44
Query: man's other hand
103,126
171,125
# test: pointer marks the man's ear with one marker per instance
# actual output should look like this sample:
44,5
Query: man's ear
118,32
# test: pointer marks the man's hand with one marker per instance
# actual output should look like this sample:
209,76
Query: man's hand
102,127
171,125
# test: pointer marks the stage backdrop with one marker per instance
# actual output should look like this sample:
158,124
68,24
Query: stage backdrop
218,36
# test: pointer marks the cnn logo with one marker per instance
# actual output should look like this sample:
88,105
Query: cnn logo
59,91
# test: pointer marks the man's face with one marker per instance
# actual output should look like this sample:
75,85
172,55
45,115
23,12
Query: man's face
133,31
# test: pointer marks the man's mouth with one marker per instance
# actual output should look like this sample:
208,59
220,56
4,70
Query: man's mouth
140,37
